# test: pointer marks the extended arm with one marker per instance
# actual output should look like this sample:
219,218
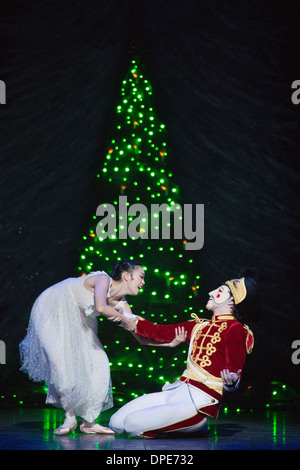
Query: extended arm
159,333
180,337
101,286
129,323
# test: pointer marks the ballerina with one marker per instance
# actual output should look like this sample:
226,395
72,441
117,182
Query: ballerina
62,348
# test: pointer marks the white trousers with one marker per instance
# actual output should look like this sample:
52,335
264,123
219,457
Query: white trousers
173,409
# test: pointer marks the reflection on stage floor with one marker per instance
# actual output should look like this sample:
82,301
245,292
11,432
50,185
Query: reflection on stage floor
32,429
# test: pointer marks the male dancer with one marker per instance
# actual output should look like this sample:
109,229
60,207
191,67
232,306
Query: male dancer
216,356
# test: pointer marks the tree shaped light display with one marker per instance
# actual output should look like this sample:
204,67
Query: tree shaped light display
139,205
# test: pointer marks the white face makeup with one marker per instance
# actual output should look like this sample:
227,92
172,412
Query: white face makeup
218,297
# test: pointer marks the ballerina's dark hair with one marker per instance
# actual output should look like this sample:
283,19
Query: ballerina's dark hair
119,267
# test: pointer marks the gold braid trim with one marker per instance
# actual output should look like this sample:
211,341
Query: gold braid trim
196,318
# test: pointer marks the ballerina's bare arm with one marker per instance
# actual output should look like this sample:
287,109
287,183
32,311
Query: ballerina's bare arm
100,284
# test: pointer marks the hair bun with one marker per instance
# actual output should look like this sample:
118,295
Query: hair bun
125,265
250,272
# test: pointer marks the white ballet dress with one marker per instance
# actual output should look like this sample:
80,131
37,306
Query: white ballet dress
62,348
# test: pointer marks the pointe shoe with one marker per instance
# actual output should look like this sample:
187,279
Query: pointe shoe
96,429
63,429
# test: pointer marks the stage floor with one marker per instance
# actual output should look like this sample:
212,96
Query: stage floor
32,429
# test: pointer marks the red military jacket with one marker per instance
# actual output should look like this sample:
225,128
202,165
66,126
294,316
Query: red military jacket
214,345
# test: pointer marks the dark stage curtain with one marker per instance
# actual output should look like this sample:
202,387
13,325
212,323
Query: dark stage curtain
221,74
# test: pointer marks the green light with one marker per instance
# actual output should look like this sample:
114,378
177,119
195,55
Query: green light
135,164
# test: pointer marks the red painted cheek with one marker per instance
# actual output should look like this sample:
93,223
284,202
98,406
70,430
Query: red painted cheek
218,296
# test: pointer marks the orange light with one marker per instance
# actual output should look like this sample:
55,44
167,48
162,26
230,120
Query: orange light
135,75
110,150
161,153
136,123
163,187
92,235
123,187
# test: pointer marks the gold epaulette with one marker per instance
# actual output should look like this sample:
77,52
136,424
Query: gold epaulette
249,339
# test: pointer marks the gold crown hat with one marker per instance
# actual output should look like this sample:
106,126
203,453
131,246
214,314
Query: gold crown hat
238,289
246,295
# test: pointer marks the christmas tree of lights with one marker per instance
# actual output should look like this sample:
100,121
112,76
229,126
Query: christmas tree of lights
139,207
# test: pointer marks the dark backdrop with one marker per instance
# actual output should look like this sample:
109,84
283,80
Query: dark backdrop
221,73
